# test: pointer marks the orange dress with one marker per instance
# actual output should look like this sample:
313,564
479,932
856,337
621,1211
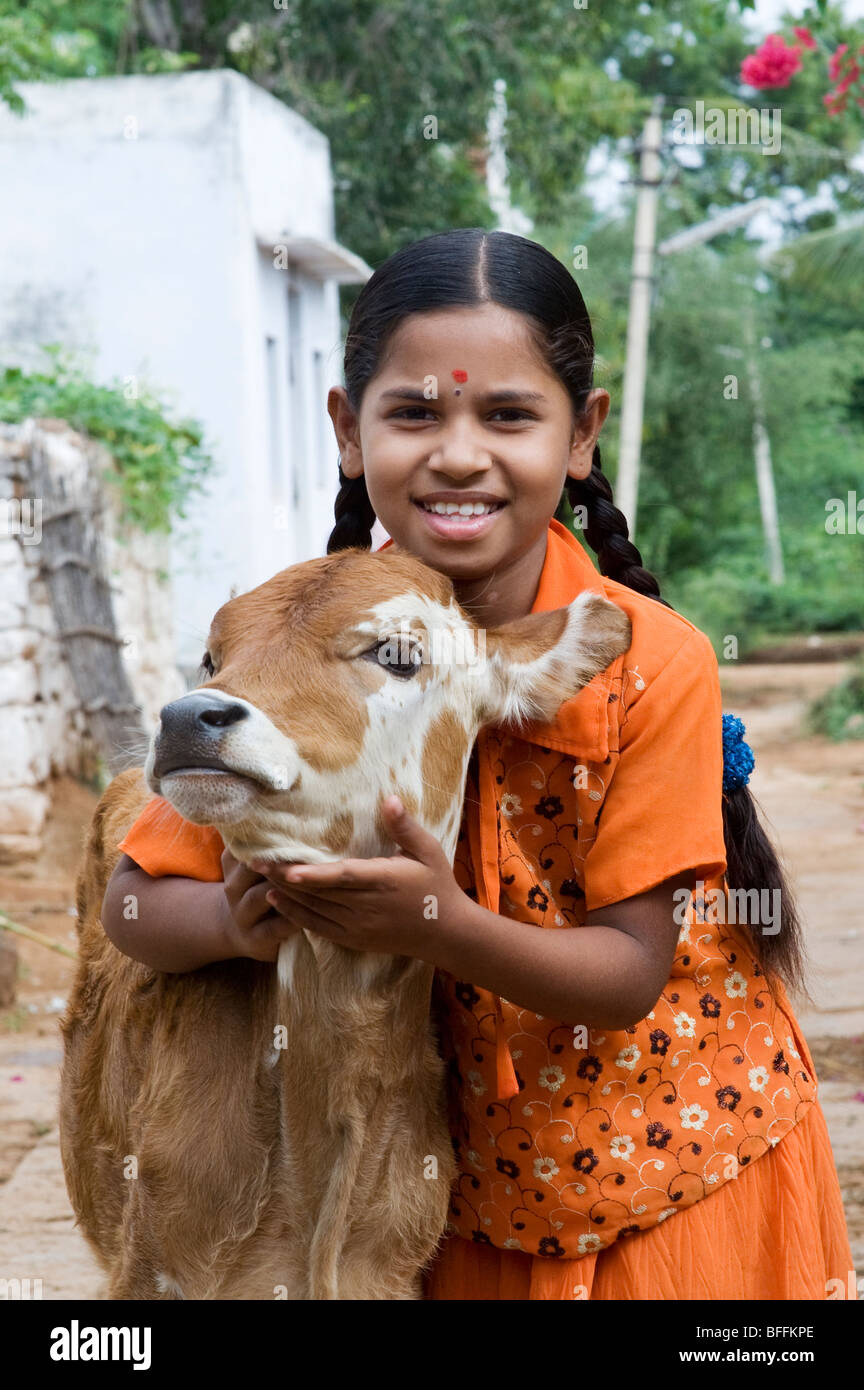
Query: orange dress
686,1156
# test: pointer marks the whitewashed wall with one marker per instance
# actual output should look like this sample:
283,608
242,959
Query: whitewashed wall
141,216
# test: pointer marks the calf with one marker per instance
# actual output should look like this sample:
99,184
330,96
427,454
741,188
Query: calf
203,1161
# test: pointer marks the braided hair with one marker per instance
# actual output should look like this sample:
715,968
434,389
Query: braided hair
607,532
354,513
469,266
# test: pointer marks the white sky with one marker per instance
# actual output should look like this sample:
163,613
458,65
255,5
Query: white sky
768,13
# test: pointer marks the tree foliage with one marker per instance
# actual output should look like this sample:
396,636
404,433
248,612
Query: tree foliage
402,88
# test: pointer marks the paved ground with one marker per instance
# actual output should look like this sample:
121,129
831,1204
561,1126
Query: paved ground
812,795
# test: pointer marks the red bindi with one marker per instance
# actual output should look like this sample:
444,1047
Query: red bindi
459,375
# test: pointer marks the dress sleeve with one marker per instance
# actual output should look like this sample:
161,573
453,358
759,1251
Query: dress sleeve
161,842
663,810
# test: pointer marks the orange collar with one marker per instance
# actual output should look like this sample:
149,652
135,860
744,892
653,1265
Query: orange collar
580,726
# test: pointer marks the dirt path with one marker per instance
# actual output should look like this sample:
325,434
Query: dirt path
812,795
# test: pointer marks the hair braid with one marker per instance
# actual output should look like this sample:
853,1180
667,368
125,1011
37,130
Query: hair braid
354,513
607,531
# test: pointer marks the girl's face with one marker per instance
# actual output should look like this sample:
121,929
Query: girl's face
463,410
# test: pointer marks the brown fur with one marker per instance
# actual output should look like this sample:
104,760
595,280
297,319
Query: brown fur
172,1070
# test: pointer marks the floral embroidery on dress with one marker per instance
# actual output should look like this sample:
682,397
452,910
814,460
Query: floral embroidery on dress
614,1137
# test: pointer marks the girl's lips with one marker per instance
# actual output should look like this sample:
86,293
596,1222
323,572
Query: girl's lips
456,527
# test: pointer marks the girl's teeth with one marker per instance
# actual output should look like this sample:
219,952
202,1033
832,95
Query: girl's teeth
463,509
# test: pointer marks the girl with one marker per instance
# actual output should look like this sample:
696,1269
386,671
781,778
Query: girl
633,1107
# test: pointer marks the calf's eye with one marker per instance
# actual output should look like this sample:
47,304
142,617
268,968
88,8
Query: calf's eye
395,657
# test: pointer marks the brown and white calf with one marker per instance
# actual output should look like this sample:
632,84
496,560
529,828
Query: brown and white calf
248,1131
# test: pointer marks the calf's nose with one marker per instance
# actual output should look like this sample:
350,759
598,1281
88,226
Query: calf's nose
191,731
200,713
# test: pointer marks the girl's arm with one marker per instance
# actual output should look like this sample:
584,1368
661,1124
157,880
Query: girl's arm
608,974
178,924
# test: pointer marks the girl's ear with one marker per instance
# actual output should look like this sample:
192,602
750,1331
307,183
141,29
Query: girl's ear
345,428
535,663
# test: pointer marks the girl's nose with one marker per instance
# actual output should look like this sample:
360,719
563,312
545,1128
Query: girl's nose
460,452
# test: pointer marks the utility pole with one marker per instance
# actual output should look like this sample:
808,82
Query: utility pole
762,455
507,217
641,281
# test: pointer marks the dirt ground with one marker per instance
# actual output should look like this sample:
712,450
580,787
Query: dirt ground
811,793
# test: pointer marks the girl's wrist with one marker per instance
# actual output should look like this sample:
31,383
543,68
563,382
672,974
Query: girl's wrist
226,938
454,933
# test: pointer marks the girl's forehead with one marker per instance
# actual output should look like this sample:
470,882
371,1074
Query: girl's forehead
459,338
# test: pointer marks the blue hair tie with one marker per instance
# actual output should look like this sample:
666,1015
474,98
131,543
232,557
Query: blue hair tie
738,758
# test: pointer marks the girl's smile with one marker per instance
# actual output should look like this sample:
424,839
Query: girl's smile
460,514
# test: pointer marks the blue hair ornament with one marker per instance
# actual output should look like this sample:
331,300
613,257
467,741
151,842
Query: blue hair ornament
738,758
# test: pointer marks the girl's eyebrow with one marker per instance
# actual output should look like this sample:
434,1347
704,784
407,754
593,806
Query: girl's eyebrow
414,393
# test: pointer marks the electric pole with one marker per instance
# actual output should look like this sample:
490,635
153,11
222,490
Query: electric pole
641,281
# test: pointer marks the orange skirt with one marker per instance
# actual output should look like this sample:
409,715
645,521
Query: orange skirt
778,1231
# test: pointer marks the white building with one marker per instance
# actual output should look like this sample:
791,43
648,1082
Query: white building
181,227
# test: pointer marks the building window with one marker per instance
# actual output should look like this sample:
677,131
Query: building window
299,460
274,418
322,432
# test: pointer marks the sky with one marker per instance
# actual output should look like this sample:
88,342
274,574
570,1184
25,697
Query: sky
768,13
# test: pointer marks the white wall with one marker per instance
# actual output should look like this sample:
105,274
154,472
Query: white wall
140,216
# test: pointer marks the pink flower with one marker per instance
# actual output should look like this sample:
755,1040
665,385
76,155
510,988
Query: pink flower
844,71
806,37
772,65
835,62
830,97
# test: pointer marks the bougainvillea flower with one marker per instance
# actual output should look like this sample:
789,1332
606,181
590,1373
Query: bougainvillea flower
835,62
844,70
773,64
806,37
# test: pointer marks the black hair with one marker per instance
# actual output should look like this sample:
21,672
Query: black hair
470,266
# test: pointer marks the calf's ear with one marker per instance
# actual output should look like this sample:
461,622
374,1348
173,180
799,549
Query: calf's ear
535,663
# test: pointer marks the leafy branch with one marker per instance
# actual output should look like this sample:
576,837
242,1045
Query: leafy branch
158,464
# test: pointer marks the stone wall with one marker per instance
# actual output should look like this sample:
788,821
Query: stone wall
43,730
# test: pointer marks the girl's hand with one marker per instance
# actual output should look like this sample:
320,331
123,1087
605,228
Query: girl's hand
252,928
398,905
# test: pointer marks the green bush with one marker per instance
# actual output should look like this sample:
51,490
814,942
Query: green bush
821,593
157,464
839,713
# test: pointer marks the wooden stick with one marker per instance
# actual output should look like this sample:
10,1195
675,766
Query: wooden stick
6,924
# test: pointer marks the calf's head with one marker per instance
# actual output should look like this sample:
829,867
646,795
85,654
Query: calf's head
351,676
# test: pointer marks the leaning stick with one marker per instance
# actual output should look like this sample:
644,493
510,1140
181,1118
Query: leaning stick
6,924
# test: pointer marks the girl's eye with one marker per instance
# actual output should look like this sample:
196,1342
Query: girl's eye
411,412
207,664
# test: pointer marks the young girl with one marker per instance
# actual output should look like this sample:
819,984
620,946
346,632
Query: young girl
633,1107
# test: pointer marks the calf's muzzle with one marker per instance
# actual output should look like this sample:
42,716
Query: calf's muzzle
191,731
